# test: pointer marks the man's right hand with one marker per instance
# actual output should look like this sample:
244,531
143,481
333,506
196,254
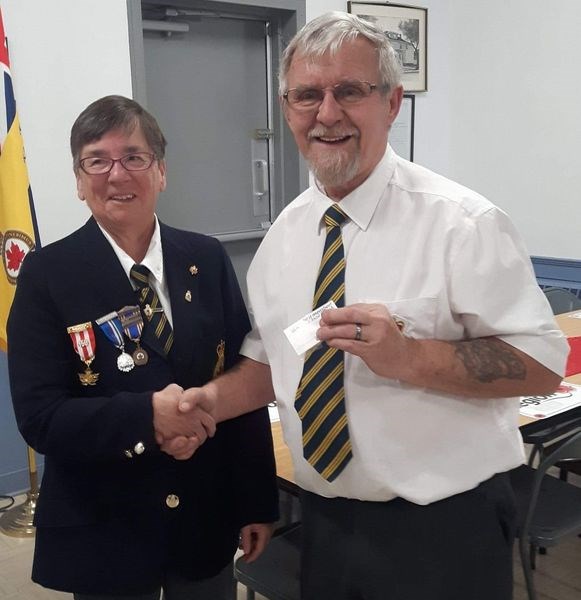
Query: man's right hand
203,397
245,387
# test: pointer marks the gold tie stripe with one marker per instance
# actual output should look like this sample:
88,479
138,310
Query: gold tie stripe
320,398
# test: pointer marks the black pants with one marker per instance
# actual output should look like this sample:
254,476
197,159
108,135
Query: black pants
220,587
459,548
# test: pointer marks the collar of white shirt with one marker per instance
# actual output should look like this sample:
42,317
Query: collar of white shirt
153,259
361,203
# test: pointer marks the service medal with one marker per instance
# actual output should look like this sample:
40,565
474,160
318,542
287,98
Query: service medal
132,323
125,362
140,356
111,326
83,338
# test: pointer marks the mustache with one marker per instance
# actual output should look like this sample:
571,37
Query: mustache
318,132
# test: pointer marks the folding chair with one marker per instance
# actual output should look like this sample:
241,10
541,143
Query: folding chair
567,465
561,300
276,573
548,509
543,439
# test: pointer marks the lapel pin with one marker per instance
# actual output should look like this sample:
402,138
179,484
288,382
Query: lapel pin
188,296
193,270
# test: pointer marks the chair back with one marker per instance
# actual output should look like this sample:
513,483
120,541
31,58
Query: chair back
276,573
541,438
561,300
552,516
570,449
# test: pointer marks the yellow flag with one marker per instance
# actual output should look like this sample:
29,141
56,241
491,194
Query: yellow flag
18,231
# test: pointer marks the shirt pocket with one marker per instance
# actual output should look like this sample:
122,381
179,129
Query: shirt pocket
416,317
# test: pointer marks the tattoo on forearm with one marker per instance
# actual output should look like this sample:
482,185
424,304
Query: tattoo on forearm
488,360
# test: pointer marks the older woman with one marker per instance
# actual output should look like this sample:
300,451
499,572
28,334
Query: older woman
107,328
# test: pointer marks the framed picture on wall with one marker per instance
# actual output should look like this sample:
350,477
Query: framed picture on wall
407,30
401,134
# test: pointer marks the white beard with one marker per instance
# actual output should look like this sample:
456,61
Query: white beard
335,169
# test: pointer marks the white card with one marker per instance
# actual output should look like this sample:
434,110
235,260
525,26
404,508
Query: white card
303,333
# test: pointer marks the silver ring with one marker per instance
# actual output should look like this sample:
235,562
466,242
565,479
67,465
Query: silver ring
358,331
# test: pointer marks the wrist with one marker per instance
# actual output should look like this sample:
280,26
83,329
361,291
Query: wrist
211,393
411,361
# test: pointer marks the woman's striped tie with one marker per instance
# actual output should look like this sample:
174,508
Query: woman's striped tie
155,318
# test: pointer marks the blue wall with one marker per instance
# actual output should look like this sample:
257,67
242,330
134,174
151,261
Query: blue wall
558,272
13,454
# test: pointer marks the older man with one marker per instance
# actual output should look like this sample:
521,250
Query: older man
107,326
403,423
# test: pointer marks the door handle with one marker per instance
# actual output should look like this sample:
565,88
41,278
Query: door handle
259,177
260,188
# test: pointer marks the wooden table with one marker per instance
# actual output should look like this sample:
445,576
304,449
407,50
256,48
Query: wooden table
284,463
571,327
284,466
568,324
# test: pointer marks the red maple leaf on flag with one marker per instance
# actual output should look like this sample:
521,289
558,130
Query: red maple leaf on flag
15,257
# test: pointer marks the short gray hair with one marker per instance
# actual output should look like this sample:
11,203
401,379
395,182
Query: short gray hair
108,114
328,32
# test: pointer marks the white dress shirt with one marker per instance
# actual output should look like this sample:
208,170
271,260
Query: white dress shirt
153,260
451,266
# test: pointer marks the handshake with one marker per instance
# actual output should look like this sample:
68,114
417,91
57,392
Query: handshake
183,419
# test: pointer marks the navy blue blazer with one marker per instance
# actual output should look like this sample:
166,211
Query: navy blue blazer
103,520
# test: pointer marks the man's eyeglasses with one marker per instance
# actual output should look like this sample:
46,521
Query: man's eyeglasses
346,94
98,165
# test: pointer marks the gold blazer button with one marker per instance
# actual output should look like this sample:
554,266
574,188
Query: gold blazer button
172,501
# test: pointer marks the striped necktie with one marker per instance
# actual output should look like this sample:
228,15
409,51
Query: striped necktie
320,398
156,320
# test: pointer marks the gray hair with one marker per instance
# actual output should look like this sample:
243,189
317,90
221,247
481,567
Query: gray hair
111,113
328,32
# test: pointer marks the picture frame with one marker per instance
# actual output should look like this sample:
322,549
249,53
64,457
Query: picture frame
407,29
401,133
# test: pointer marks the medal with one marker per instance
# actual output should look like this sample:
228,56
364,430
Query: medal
125,362
111,326
83,338
140,356
132,324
